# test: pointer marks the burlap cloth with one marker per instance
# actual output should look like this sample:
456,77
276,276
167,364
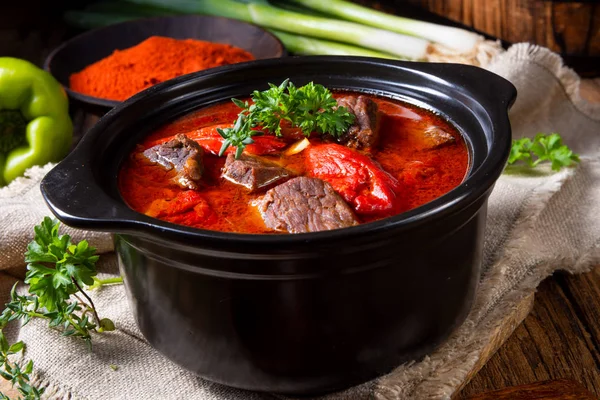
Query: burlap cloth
537,224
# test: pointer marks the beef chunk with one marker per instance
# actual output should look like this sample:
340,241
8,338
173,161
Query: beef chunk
305,205
365,131
253,173
182,154
435,137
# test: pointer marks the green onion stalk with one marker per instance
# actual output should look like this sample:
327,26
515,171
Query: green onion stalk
264,14
451,44
336,27
304,45
301,45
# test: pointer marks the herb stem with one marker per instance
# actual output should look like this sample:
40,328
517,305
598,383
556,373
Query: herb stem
83,303
108,281
92,307
36,315
74,324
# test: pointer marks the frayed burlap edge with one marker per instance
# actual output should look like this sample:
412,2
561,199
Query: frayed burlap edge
52,391
24,183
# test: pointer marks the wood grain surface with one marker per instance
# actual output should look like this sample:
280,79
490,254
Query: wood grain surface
568,27
500,336
559,339
560,389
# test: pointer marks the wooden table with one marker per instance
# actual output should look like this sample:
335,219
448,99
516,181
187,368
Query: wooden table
559,339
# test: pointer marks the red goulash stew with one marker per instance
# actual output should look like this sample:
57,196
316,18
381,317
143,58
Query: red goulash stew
394,157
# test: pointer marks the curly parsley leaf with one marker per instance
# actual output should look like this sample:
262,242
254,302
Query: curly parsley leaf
543,148
57,269
311,108
272,106
71,265
317,111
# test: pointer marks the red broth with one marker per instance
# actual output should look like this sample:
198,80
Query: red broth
422,173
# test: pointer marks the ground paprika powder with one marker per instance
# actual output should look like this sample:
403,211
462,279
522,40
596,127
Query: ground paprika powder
156,59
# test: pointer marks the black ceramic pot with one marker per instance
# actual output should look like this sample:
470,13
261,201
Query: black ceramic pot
306,313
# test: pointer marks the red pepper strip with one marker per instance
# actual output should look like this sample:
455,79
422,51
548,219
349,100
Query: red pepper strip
210,140
357,178
187,207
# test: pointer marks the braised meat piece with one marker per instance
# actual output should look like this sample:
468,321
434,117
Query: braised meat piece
305,205
182,154
435,137
253,173
365,131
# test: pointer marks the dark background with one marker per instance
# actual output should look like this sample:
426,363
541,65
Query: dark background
30,29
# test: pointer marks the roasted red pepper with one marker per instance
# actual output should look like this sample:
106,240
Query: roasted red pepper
189,208
210,140
357,178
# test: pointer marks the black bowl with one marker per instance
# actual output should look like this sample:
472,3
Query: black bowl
90,47
304,313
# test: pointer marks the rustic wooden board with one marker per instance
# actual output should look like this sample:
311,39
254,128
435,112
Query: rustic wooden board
503,332
560,389
571,27
558,340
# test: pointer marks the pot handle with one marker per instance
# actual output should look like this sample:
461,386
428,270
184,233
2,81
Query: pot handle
73,195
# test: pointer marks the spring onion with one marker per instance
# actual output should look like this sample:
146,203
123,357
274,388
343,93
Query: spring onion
304,45
454,38
262,13
313,27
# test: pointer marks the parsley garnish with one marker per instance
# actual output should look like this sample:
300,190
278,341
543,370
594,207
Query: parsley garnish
311,108
542,148
57,270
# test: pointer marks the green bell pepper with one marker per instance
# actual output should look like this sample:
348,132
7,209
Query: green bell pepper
35,127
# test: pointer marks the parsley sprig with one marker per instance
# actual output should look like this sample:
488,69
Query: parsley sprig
542,148
311,108
57,270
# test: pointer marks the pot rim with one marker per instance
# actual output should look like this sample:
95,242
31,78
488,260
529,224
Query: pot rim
116,215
